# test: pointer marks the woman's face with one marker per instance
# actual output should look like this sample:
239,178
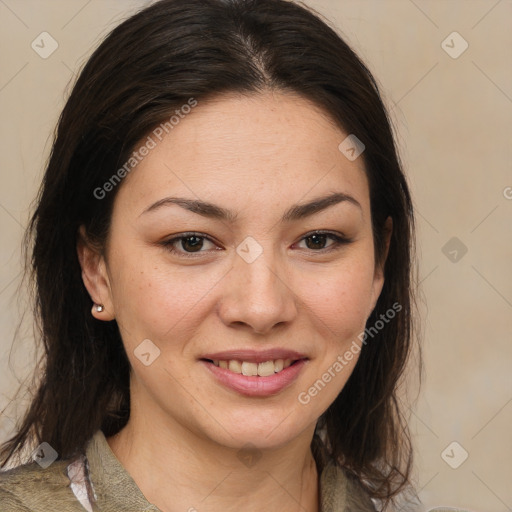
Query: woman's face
245,182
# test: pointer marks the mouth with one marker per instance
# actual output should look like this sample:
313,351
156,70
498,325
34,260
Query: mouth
255,374
252,369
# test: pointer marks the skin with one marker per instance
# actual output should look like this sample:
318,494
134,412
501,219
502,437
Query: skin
257,156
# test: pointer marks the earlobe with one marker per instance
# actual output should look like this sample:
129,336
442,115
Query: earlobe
95,277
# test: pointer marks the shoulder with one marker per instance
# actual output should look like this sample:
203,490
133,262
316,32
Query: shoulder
357,497
30,488
340,491
8,499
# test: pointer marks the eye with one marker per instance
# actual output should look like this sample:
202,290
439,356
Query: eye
318,241
187,244
190,245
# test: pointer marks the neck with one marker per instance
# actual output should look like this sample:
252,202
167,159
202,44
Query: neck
178,470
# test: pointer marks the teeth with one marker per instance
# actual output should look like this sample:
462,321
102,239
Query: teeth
235,366
249,369
278,365
265,369
252,369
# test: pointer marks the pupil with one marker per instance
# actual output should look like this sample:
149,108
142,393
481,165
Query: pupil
318,241
192,243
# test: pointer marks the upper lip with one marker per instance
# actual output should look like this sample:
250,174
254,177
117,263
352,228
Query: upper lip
254,356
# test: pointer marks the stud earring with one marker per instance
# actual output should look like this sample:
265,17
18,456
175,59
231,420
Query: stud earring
99,308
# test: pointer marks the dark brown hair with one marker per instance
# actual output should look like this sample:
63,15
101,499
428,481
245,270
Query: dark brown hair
148,66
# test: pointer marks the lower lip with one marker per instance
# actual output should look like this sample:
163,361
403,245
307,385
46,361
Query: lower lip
256,386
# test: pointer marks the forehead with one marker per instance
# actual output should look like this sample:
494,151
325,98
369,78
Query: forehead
237,147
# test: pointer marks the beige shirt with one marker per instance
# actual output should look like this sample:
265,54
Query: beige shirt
61,487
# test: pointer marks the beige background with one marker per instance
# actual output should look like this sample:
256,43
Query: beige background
453,117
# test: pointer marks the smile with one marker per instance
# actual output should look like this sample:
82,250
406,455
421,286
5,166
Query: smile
255,379
249,368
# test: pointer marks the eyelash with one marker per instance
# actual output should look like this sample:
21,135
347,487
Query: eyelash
338,242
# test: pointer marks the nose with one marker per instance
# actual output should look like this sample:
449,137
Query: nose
256,296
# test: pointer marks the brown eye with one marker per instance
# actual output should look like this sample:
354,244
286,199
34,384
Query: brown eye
192,243
189,243
316,241
320,241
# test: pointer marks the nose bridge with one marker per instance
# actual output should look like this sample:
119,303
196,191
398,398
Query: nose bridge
258,295
261,279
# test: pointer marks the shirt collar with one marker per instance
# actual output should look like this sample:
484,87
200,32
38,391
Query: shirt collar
114,489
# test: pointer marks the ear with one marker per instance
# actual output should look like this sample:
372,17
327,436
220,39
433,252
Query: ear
378,276
95,276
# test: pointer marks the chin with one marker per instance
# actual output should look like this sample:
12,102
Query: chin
262,432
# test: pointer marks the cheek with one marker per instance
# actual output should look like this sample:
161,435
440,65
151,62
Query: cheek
152,299
339,298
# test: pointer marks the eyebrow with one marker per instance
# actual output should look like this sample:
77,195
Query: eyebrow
295,212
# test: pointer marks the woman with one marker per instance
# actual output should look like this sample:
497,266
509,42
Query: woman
222,255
